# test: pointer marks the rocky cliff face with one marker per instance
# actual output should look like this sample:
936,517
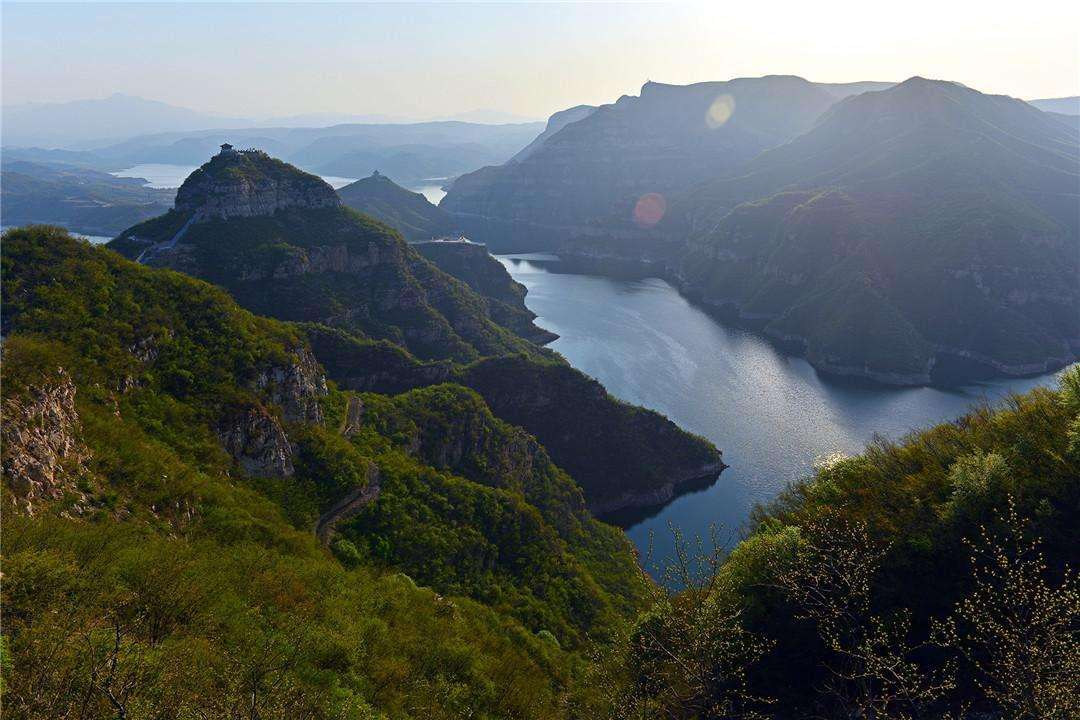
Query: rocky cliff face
43,455
296,387
254,436
248,184
256,441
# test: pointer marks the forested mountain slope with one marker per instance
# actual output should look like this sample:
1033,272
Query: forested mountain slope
932,577
168,460
913,226
408,212
279,240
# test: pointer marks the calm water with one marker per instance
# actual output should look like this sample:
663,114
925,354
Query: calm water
160,175
771,414
431,189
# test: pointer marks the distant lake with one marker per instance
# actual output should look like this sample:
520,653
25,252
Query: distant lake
161,175
771,414
431,189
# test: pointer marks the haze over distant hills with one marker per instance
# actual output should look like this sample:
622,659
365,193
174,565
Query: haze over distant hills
86,124
75,124
88,201
665,140
1064,105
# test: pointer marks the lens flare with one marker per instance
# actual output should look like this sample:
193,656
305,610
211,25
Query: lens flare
649,209
720,111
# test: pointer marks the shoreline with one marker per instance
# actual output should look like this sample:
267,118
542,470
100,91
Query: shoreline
946,361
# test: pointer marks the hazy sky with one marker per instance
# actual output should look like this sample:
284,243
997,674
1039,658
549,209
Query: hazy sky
262,59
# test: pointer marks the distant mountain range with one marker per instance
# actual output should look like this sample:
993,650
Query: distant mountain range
910,228
662,142
906,232
409,152
81,123
86,124
1064,105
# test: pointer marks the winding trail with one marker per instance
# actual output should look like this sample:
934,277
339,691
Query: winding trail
167,244
347,506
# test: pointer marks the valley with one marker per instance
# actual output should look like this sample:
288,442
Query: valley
336,384
775,416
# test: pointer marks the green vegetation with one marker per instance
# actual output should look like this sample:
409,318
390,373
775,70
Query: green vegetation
248,166
160,560
381,317
335,266
472,264
619,454
157,572
927,578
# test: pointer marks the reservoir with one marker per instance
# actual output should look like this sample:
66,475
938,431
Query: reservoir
771,413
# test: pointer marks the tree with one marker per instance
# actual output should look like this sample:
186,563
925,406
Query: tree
1018,631
829,580
688,656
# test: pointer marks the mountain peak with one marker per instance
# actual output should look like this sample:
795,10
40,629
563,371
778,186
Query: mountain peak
247,183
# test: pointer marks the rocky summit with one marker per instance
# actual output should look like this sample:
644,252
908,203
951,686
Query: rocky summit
249,183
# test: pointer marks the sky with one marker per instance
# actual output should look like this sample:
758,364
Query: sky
256,60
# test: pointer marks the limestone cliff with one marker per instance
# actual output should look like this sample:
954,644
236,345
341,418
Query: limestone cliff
250,183
295,386
256,441
43,454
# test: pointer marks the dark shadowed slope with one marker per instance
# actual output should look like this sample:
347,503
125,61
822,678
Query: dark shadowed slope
917,225
664,141
409,212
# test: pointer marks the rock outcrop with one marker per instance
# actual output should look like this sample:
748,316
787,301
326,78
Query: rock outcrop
354,416
247,184
43,454
296,387
256,441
